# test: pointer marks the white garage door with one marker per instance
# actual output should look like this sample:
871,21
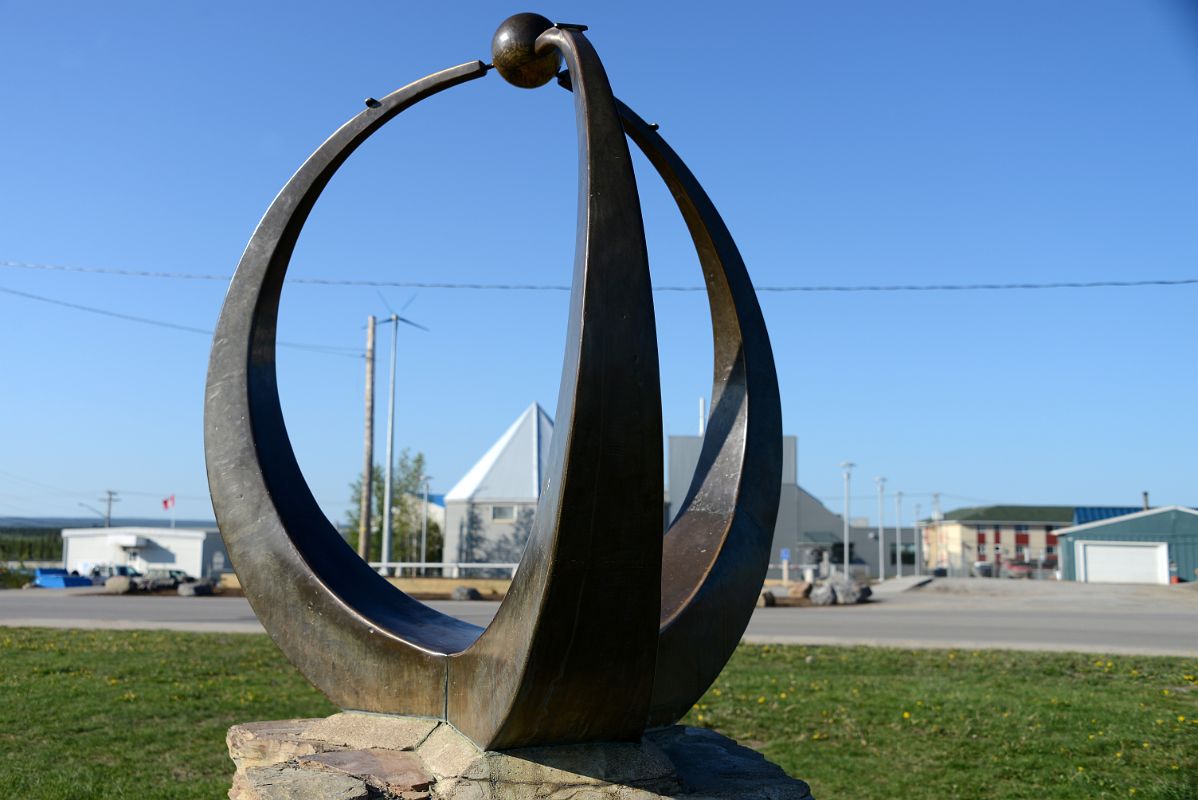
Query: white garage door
1123,562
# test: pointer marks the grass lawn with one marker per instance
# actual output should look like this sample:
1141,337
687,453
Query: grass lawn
140,714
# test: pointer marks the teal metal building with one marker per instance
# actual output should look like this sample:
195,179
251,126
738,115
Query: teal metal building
1153,546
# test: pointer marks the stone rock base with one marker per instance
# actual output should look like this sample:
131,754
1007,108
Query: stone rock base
354,756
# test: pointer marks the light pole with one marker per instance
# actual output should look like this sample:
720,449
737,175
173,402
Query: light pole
424,529
918,543
847,466
881,482
898,531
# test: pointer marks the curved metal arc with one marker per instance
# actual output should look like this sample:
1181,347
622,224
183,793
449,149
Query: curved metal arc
570,654
716,552
320,603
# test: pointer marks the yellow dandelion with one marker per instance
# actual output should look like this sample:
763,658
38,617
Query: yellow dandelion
1181,717
782,695
761,700
1080,768
1119,754
1146,745
906,715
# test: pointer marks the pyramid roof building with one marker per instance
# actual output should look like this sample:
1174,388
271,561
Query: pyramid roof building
513,469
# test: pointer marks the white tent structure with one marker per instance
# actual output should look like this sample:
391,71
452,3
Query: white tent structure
490,500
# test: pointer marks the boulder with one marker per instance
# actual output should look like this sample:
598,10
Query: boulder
405,760
799,589
118,584
194,589
849,593
822,594
465,593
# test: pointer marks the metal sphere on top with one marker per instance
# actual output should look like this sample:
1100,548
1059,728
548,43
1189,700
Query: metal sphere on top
513,51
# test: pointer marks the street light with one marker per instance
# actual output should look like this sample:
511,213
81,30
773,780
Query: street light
424,529
898,531
881,482
847,466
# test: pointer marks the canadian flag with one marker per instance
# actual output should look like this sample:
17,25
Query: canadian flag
169,502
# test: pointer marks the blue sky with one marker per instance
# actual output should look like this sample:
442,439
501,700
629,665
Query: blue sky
845,144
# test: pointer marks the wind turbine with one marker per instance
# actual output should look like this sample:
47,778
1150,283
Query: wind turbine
394,319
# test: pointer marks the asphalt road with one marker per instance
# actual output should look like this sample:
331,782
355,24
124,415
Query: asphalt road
968,614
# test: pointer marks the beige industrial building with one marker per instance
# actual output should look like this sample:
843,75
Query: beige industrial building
1002,536
996,535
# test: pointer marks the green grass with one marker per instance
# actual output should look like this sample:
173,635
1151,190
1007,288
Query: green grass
134,714
105,714
883,723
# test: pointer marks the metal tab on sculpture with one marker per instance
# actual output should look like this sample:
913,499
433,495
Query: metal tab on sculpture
608,628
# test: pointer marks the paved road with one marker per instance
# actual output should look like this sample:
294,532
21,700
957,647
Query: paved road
965,614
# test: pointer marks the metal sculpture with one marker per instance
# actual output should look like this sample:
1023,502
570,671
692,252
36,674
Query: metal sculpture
607,628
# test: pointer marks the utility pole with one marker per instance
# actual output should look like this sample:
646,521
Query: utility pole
847,466
386,554
110,499
898,531
881,482
366,502
918,543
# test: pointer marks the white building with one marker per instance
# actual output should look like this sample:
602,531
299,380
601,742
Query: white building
499,493
198,552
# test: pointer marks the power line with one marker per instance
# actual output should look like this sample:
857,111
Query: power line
541,287
331,350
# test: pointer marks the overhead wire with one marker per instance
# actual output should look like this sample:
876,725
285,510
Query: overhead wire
332,350
543,287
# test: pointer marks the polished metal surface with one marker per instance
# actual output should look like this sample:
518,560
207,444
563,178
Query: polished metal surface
717,550
605,629
514,52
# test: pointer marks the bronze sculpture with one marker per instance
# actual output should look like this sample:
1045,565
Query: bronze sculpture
608,628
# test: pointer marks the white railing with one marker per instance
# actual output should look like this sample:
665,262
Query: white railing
443,569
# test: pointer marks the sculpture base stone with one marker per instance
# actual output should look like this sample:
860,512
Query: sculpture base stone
355,756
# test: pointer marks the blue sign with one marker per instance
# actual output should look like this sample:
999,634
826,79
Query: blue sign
786,554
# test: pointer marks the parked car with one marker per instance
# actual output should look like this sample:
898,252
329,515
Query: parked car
100,573
166,579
